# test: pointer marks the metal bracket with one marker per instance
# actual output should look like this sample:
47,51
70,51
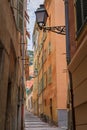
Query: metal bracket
55,29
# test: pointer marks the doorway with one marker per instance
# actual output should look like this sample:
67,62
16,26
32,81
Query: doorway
51,109
8,108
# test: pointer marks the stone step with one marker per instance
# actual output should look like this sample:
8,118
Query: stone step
36,122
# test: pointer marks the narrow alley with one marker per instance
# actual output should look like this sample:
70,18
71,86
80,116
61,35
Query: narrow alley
32,122
43,64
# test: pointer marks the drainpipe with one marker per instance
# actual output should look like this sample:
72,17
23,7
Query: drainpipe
68,61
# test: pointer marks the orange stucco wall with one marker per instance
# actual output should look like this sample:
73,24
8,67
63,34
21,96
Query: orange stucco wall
58,52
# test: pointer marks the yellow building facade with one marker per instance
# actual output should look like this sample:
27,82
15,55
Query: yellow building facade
51,65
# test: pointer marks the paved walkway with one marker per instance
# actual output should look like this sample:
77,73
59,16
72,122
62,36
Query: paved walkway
32,122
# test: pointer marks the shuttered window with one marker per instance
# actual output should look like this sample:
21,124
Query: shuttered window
1,50
85,9
45,79
13,4
49,48
1,60
81,14
40,85
49,75
20,16
17,6
78,14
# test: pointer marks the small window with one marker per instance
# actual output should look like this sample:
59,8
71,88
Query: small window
44,56
50,102
49,76
20,16
41,85
1,55
45,79
1,50
81,14
49,47
17,7
45,103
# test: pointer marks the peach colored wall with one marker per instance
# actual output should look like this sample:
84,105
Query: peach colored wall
58,53
61,57
57,90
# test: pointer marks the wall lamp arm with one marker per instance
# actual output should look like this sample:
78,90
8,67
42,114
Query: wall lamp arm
56,29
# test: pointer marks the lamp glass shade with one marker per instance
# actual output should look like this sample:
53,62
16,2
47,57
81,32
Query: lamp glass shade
41,15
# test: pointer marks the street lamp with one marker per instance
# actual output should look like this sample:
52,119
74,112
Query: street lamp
41,18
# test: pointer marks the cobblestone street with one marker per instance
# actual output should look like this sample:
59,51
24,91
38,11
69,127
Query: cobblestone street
32,122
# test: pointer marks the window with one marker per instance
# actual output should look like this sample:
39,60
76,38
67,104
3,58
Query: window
40,63
42,82
44,56
1,58
49,47
13,4
17,6
81,14
45,79
20,16
49,76
31,104
1,50
45,103
40,85
50,102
